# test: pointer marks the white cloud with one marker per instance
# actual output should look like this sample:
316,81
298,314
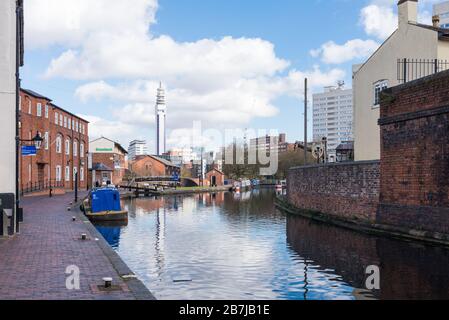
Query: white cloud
333,53
379,21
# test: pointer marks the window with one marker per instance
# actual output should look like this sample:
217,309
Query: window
67,173
76,126
46,140
65,122
46,111
56,118
60,120
75,171
58,144
378,88
82,174
70,124
39,110
82,150
58,173
75,149
73,124
20,102
67,147
29,106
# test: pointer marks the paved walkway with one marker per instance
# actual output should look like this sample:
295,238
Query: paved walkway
33,263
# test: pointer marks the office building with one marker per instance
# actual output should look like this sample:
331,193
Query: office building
137,148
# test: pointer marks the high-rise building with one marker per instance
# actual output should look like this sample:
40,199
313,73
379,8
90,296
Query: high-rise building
333,117
161,115
442,11
137,148
269,144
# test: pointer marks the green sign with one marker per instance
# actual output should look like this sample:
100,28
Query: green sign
104,149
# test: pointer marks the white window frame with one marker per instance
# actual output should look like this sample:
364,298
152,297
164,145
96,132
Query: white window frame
81,174
67,147
20,103
67,174
56,118
59,144
46,140
65,122
30,107
39,109
61,119
75,148
46,111
58,173
379,86
69,124
81,150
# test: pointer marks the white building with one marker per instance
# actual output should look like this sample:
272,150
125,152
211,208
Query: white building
417,44
9,46
161,115
137,148
333,117
442,11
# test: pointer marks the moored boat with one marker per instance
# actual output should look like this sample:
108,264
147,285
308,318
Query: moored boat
103,204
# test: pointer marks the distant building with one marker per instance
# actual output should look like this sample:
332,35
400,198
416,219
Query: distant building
412,41
153,166
442,11
137,148
215,178
181,155
270,144
333,117
161,115
111,157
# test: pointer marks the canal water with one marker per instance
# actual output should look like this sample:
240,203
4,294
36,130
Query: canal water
228,246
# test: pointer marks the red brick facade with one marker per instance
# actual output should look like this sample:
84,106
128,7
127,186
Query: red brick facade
110,160
65,146
215,178
415,155
148,166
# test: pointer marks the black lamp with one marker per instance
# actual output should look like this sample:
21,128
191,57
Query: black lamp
37,140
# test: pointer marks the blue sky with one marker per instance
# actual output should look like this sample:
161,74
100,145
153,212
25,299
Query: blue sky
230,63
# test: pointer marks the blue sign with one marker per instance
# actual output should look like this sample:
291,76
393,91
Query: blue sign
175,177
29,151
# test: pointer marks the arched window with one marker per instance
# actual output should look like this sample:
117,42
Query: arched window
75,148
67,147
82,150
58,144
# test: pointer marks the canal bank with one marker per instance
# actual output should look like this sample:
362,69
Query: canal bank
33,264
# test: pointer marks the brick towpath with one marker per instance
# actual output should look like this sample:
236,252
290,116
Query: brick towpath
33,263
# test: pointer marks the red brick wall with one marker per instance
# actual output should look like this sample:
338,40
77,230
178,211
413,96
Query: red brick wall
108,160
148,167
415,155
42,168
347,190
220,178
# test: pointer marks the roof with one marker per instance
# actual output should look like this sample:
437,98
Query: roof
118,145
35,94
161,160
215,169
443,35
39,96
101,167
164,161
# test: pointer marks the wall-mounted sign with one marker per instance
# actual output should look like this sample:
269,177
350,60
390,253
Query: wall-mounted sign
28,151
104,149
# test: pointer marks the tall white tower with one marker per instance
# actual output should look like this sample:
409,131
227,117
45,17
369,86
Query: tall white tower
161,115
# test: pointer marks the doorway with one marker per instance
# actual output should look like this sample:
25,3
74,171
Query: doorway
41,175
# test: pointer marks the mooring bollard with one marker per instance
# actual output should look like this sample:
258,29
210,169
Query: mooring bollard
83,236
73,219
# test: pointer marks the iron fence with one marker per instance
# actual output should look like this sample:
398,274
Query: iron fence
413,69
31,187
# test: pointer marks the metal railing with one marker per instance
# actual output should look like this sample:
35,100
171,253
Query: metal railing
413,69
32,187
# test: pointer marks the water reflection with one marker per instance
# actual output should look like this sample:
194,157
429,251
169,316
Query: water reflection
228,246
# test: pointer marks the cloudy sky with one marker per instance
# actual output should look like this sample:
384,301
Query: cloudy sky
226,63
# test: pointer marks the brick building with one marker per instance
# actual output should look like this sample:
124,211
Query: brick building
152,166
64,149
215,178
110,155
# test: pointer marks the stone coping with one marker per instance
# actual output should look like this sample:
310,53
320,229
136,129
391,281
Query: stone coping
337,164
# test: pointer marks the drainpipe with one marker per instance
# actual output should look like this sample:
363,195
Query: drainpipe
19,12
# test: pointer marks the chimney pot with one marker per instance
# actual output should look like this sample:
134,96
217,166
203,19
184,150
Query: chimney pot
436,21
